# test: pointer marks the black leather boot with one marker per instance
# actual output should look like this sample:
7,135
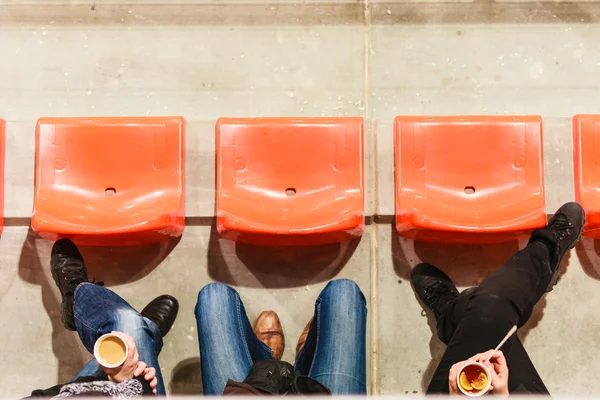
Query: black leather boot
68,271
433,287
560,235
163,312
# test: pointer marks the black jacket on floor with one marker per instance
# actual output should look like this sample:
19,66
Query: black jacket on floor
272,377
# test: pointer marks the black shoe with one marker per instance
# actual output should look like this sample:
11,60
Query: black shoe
68,271
561,234
433,287
162,311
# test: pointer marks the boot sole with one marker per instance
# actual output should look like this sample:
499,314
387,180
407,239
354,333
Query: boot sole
67,324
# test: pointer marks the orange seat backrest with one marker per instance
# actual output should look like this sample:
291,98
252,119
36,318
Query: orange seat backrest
586,158
469,173
131,155
282,176
109,176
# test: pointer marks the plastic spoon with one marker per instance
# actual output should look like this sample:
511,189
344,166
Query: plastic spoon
508,335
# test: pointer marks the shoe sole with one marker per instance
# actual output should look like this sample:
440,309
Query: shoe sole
66,324
557,274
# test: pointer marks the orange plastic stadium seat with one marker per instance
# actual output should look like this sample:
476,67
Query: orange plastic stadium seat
586,152
290,181
469,179
109,181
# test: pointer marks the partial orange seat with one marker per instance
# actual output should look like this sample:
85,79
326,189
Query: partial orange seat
290,181
109,181
586,155
2,155
469,179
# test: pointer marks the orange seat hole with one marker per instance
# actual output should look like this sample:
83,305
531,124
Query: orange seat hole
469,179
290,181
586,155
109,181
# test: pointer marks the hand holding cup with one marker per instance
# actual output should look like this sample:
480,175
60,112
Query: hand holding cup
117,355
477,376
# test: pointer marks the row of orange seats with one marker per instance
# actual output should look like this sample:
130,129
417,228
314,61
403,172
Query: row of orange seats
300,181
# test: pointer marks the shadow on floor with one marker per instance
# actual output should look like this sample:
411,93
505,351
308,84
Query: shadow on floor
466,265
117,265
242,264
186,379
588,252
69,353
113,265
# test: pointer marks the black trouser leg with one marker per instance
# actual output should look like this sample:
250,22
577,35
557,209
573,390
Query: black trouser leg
480,317
522,372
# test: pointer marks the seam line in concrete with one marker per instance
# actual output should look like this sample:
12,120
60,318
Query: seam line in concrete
374,356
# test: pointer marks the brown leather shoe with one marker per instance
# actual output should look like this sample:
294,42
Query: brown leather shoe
269,331
302,339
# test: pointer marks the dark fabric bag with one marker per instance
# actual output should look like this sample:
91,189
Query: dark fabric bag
278,378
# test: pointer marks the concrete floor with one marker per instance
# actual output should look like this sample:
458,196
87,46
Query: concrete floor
206,59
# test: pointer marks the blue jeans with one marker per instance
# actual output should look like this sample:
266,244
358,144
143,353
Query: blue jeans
99,311
334,353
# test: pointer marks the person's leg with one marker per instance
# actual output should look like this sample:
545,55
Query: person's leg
99,311
521,281
91,369
522,372
335,349
228,345
480,317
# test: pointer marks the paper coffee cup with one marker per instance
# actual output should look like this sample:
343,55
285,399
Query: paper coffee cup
469,374
111,350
